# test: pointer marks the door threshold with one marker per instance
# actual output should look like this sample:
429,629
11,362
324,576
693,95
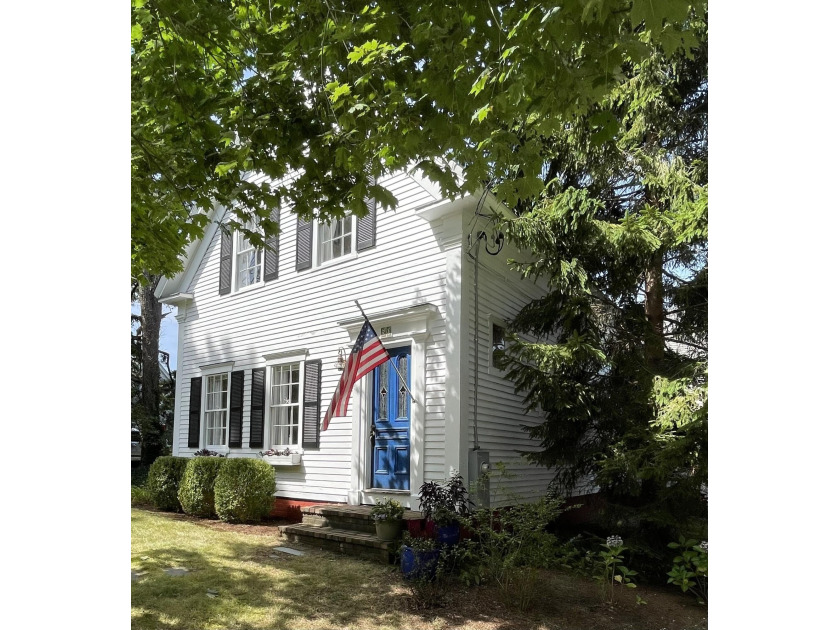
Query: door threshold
386,491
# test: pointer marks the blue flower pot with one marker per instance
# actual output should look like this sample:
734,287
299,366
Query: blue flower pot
418,564
449,535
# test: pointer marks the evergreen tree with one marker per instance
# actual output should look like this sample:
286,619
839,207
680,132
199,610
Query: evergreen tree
620,237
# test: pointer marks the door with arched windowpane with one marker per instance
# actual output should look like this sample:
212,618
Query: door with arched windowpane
391,422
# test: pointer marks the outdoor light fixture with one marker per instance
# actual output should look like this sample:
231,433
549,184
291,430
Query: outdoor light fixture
341,361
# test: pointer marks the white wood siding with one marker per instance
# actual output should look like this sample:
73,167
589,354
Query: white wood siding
301,310
501,294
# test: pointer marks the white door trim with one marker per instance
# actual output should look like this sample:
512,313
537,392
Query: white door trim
409,327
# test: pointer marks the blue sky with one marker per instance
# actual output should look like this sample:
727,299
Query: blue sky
168,333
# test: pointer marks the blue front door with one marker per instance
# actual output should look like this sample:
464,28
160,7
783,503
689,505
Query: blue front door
391,422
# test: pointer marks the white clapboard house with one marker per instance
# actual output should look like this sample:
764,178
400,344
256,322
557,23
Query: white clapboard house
263,335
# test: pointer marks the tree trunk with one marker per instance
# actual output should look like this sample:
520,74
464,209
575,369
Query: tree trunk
655,313
151,314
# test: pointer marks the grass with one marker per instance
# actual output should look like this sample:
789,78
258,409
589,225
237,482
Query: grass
327,591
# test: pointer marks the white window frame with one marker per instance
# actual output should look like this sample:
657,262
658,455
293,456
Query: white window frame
208,372
318,247
235,268
280,360
492,320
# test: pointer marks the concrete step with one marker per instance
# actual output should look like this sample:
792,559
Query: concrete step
351,542
347,517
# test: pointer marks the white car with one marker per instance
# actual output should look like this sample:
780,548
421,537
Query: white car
135,446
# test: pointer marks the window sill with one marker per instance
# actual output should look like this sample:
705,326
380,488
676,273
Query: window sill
247,287
283,460
337,261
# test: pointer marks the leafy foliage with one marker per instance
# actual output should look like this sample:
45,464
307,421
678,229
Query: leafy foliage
244,490
690,570
615,355
164,480
195,494
390,510
273,452
338,92
444,503
513,543
205,452
140,496
611,570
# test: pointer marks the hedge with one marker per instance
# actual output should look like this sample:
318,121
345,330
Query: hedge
164,478
196,491
244,490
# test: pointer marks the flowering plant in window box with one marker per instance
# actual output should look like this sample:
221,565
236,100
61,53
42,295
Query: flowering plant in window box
207,453
285,457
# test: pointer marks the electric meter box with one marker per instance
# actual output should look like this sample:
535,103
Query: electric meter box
479,469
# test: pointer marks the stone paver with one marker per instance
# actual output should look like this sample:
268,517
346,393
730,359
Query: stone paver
176,571
288,550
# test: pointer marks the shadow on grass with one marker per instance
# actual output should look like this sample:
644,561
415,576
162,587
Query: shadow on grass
318,590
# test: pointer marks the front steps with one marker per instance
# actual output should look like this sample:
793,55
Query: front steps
345,529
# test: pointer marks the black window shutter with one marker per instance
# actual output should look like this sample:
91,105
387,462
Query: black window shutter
237,390
225,261
312,404
195,412
272,246
366,227
304,245
257,407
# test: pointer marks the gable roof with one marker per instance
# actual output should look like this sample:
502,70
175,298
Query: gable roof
173,290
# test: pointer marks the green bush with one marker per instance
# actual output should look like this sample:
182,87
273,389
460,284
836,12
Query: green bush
244,490
164,478
196,490
140,496
139,474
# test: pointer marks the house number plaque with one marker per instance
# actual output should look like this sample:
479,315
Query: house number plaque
385,331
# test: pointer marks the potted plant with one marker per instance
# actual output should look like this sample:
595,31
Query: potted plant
419,557
442,505
387,515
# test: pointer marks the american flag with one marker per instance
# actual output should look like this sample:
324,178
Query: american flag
367,353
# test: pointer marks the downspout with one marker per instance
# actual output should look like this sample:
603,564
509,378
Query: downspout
475,347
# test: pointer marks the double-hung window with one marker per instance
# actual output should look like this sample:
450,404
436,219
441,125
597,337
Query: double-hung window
497,344
335,238
248,261
216,409
285,405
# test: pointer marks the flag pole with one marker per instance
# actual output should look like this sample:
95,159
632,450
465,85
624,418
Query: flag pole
396,369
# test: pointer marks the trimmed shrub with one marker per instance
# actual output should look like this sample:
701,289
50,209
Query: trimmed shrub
164,478
244,490
196,490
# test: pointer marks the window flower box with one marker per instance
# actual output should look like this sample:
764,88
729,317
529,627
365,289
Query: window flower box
281,458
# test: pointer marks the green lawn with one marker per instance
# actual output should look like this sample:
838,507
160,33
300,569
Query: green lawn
325,590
